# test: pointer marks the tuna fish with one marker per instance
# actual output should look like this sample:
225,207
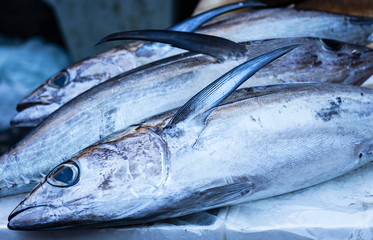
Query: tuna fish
161,86
83,75
262,142
251,25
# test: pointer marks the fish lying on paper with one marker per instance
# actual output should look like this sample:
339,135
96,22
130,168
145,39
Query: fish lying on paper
161,86
261,142
250,25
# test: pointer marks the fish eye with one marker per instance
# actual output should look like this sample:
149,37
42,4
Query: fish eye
64,175
331,45
59,80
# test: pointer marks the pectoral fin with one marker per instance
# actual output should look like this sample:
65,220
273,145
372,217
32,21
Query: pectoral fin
200,106
217,47
224,194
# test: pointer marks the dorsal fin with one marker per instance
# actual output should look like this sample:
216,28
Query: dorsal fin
217,47
196,21
200,106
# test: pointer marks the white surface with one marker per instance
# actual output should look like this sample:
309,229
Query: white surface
338,209
23,67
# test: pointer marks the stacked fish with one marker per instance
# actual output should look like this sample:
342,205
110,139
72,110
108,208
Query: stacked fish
147,131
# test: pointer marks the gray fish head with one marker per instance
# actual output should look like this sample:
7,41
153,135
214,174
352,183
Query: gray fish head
324,60
37,106
47,92
352,64
115,180
69,83
44,100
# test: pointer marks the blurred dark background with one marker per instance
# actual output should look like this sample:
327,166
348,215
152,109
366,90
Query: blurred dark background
24,19
77,25
27,18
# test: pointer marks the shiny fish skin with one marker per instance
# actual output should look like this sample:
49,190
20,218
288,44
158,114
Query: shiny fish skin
158,87
289,22
261,143
251,25
83,75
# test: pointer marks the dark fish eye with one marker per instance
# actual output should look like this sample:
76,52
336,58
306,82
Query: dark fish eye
331,45
59,80
64,175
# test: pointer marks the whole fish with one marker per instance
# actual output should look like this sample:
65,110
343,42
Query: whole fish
251,25
85,74
161,86
262,142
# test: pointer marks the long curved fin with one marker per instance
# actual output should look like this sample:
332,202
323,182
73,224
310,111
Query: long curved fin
217,47
201,105
196,21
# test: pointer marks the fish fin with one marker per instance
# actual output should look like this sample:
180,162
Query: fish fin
196,21
217,47
202,104
224,194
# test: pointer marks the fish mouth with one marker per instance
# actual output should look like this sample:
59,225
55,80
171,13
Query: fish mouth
49,217
32,116
19,218
27,104
41,217
38,97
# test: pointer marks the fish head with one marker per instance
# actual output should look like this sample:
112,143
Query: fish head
349,63
116,179
69,83
316,60
41,102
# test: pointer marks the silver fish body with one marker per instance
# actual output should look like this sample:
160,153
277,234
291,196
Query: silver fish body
262,142
158,87
85,74
290,22
251,25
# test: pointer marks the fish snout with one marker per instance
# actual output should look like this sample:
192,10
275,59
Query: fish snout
36,98
47,92
30,214
26,104
25,218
